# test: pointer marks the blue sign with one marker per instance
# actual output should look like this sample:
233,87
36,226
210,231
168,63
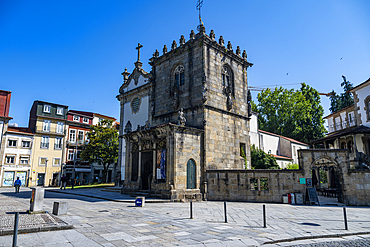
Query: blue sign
138,202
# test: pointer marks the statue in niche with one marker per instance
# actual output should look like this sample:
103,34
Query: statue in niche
230,101
175,100
181,119
204,93
138,127
128,127
146,126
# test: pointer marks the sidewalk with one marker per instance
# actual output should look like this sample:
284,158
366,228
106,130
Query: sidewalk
27,222
100,222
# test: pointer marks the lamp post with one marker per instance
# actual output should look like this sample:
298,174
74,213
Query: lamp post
46,165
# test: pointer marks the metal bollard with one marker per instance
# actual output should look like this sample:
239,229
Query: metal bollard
264,216
191,209
15,234
225,211
345,218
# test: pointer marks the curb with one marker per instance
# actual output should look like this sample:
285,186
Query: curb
36,229
108,199
316,237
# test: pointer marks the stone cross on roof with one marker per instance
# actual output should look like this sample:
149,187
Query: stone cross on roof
138,51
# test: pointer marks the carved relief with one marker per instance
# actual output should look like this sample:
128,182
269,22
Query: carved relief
128,127
181,119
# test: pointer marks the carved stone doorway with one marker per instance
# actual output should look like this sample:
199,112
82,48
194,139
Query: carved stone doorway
146,170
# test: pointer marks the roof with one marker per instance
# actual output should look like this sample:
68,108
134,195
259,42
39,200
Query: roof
345,108
20,130
286,138
101,115
358,129
279,157
359,86
84,113
40,101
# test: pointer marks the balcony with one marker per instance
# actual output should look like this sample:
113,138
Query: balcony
342,125
76,143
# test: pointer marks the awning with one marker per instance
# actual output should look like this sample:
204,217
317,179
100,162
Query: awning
82,170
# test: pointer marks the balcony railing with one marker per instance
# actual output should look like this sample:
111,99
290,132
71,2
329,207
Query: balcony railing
58,146
44,145
342,125
78,143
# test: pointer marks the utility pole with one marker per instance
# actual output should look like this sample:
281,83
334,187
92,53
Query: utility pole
46,165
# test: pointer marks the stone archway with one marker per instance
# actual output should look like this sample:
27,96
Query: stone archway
327,177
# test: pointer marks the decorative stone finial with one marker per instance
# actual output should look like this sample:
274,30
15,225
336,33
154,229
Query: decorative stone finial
202,29
164,49
182,40
192,34
221,41
125,75
128,127
181,120
229,46
212,35
237,51
156,53
174,45
244,55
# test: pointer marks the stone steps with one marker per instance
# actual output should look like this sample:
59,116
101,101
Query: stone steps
112,189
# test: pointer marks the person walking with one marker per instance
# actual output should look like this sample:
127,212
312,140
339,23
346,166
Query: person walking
64,181
17,184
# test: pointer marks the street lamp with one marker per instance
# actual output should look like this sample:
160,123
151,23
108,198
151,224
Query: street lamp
46,165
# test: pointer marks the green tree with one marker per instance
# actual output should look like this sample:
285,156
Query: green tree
338,102
292,113
103,146
262,160
292,166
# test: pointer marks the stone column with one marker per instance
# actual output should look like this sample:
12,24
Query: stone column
139,168
154,161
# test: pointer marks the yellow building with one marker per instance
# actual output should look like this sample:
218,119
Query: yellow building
48,123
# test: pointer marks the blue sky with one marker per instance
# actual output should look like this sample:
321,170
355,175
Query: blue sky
73,52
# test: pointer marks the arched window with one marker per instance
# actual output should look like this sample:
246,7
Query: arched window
179,75
226,76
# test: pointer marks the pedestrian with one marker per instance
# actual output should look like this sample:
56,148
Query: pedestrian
63,181
72,182
17,184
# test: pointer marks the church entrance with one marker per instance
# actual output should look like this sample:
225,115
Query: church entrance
326,178
190,174
146,170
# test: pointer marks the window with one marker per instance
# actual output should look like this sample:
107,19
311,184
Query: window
43,161
24,160
264,184
135,106
70,155
242,150
56,162
179,76
46,126
10,159
85,120
60,127
76,118
59,111
269,151
72,136
58,143
367,105
254,183
47,108
225,76
12,143
80,136
26,144
45,142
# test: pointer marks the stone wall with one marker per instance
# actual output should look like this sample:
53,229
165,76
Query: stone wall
238,185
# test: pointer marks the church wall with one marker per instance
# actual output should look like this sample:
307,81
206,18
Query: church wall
138,118
140,81
223,136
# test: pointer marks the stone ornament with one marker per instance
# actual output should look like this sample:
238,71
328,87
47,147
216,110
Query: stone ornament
128,127
156,53
164,49
221,41
244,55
135,105
230,101
174,45
229,46
212,35
237,51
181,119
182,40
192,34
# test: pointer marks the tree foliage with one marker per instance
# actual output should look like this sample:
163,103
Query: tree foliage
262,160
292,113
103,145
338,102
292,166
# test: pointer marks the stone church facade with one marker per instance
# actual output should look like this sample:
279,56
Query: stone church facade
189,114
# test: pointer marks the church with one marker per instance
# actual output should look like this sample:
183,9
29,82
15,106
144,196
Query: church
189,114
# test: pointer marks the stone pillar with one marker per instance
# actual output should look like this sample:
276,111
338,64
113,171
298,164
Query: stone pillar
154,162
139,168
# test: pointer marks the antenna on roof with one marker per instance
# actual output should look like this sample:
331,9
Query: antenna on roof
199,6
